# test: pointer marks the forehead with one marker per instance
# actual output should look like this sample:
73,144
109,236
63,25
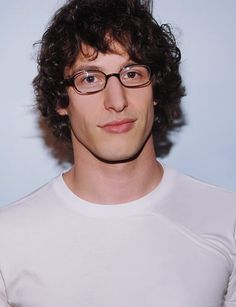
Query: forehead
88,57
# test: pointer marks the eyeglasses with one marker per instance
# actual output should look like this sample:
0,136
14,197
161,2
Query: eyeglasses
93,81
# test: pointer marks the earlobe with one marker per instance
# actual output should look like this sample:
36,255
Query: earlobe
62,111
155,103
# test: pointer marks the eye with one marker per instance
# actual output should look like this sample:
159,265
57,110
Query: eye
89,78
132,74
88,81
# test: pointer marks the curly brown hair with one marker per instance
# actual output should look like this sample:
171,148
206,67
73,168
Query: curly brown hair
131,24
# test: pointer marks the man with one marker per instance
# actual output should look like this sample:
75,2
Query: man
118,228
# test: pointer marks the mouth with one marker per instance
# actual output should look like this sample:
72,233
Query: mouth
118,126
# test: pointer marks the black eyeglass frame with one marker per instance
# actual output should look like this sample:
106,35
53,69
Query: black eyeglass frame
71,80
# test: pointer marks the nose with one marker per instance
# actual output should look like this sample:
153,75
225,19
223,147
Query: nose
115,98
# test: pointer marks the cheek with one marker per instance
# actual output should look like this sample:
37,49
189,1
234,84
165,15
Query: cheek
146,107
149,117
78,110
79,121
143,97
83,121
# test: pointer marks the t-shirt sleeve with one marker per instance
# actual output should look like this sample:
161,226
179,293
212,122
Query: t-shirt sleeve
3,297
230,299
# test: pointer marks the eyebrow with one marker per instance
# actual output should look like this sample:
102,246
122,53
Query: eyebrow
95,67
86,67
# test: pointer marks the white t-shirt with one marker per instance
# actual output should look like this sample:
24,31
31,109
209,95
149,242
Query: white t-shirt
174,247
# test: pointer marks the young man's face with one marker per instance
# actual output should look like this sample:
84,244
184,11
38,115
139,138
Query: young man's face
114,123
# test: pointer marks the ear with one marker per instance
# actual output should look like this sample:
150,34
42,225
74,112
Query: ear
155,103
62,111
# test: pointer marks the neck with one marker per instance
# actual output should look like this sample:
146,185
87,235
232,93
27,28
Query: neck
105,183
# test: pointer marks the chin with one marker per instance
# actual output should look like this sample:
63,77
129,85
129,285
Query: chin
117,153
116,160
117,157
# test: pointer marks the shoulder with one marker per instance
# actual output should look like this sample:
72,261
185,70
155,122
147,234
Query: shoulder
192,201
205,210
191,191
203,197
29,208
27,223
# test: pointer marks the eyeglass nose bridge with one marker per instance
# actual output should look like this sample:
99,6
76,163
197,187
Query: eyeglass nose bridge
117,75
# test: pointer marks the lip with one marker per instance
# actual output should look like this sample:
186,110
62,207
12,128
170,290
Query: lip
119,126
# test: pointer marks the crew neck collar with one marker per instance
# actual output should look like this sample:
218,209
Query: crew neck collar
142,204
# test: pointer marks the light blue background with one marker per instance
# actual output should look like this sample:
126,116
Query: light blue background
206,147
